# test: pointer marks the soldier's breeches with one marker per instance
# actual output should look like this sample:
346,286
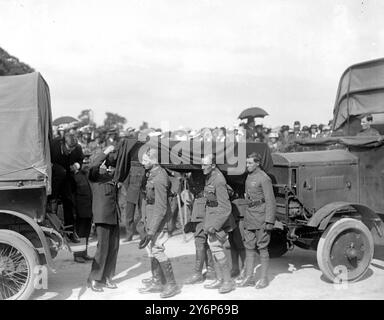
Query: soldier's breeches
199,235
217,247
256,239
156,247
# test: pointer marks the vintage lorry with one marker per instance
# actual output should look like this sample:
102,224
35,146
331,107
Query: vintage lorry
29,236
331,201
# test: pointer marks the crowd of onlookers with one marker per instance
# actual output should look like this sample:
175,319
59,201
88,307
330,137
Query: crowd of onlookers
279,139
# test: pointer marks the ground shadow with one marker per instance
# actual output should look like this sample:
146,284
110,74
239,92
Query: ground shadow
379,252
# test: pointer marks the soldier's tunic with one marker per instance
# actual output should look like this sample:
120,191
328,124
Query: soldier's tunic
157,211
133,185
217,212
197,185
261,210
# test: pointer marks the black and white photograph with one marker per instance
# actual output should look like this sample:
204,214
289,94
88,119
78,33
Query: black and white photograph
185,151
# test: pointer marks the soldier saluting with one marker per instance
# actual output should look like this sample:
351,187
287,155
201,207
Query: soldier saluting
218,221
259,220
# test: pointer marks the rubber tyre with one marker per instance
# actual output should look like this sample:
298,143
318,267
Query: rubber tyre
29,256
330,239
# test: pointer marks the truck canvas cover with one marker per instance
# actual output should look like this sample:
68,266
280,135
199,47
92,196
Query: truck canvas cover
360,91
25,131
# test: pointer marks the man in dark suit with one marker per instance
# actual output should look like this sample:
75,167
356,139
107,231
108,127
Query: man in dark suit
66,157
106,218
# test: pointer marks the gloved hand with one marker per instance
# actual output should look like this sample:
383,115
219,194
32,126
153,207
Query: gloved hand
189,204
144,242
190,227
109,149
268,227
211,230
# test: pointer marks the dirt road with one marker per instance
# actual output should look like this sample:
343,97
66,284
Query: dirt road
293,276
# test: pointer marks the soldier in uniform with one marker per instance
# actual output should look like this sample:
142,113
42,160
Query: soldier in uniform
258,221
218,221
133,185
196,224
106,218
157,211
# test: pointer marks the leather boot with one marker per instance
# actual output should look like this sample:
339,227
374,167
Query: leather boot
248,279
242,255
216,284
170,288
235,271
197,276
263,282
154,284
156,273
228,284
209,262
85,253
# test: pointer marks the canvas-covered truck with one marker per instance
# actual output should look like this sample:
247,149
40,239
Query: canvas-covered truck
331,201
29,237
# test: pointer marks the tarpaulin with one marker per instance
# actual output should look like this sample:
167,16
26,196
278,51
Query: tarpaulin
360,91
187,155
353,141
25,130
124,157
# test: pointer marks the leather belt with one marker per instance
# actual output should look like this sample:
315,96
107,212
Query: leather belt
253,203
136,164
212,204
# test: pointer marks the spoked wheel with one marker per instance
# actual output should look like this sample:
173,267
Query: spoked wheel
346,245
17,266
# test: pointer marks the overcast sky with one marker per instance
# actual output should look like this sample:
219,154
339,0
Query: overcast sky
193,63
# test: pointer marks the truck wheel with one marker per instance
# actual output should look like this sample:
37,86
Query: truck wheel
18,261
346,245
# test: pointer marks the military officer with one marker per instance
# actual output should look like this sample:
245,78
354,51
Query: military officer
258,221
133,185
196,224
157,211
218,221
106,218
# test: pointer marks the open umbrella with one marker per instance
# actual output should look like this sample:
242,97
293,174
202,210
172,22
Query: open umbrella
64,120
253,113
